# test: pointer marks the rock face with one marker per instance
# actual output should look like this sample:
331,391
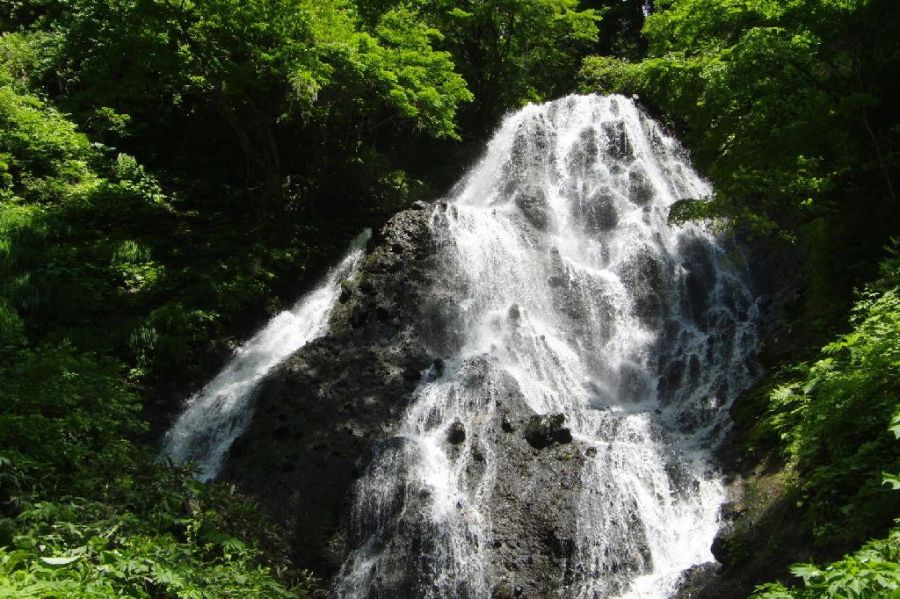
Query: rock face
322,416
543,431
762,529
513,399
319,417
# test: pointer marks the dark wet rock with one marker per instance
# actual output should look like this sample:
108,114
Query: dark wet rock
693,581
515,313
732,510
504,590
543,431
598,212
438,366
556,281
319,416
563,547
418,361
700,278
358,317
506,424
534,506
533,138
634,383
532,509
643,275
721,548
457,433
616,141
584,154
323,415
532,201
410,373
572,301
680,478
346,292
640,189
670,381
614,105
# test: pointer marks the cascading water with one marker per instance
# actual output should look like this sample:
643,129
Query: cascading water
565,290
220,412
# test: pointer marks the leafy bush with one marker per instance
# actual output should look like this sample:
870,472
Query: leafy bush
171,542
872,572
837,421
789,108
86,512
833,418
85,509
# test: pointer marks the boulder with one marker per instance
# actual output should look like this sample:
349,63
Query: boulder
457,433
543,431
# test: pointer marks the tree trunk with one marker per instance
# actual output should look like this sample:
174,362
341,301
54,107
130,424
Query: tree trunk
262,159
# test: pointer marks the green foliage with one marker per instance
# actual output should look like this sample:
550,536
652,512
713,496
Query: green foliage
154,534
296,50
620,30
84,509
833,417
67,411
419,82
873,571
118,280
789,108
610,75
513,51
12,329
42,156
25,58
838,421
85,512
271,73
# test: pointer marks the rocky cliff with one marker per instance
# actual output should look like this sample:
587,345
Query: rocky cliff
321,417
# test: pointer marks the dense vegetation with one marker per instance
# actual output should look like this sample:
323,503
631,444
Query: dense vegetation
789,106
170,172
833,419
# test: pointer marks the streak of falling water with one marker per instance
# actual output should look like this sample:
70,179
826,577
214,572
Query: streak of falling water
220,412
569,282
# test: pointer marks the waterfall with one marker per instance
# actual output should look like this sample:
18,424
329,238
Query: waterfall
220,412
577,316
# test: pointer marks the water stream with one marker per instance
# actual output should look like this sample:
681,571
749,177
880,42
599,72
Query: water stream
220,412
568,295
574,290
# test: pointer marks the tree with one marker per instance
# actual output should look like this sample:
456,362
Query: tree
513,51
262,67
788,106
620,34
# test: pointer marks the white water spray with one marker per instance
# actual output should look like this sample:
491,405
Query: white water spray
574,292
220,412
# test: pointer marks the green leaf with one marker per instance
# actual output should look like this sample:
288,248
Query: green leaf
806,571
891,479
60,561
